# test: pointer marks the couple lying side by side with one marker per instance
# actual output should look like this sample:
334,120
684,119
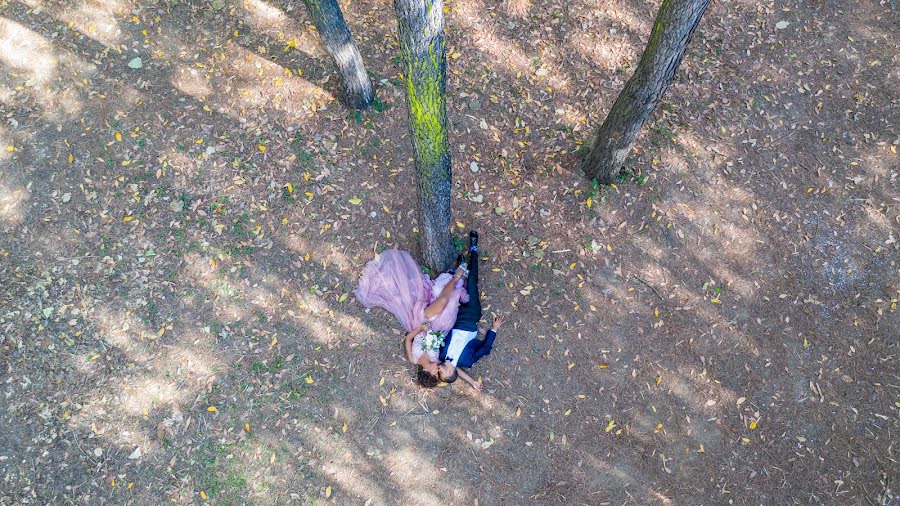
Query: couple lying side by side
440,316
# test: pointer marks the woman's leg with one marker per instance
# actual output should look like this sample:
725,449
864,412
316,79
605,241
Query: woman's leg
438,305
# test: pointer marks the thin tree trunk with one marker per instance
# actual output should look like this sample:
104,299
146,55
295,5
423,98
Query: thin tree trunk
356,87
674,25
421,27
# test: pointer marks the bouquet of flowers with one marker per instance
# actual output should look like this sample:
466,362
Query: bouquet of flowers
433,341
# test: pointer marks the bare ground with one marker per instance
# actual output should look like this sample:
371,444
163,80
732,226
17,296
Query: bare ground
179,241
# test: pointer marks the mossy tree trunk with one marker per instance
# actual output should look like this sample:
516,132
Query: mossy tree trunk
356,87
672,30
421,27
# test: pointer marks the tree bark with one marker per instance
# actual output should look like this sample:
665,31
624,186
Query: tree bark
675,23
329,21
421,27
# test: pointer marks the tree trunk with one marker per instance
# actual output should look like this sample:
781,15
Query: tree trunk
356,87
674,25
421,27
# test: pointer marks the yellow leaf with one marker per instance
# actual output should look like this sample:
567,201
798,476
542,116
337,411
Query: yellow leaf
603,366
327,491
127,218
745,440
247,427
609,247
460,224
306,257
344,427
715,301
589,202
614,187
10,148
203,495
71,158
610,426
272,458
568,412
309,194
658,380
455,56
118,137
355,201
701,450
199,141
752,424
572,265
342,298
381,382
309,380
518,411
212,409
290,188
261,148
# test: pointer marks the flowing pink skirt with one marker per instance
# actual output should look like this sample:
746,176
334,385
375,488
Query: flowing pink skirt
393,281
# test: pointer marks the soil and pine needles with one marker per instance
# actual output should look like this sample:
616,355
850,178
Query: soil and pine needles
185,209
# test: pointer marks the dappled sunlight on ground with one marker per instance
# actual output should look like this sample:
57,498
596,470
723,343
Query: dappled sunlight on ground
181,242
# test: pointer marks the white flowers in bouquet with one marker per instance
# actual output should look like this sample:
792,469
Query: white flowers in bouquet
433,340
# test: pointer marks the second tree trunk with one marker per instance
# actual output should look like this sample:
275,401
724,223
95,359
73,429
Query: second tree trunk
421,27
329,21
674,25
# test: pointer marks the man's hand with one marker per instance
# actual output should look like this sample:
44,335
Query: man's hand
477,385
498,322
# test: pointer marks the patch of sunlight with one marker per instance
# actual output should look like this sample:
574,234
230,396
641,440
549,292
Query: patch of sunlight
94,18
12,201
270,19
408,465
191,81
348,466
39,69
489,40
142,397
123,329
25,51
609,55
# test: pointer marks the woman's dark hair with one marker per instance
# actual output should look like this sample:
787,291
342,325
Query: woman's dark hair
425,378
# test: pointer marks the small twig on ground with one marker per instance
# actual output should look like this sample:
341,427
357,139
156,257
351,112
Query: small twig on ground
649,286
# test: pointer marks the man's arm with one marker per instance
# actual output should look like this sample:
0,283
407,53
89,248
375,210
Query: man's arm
485,347
468,379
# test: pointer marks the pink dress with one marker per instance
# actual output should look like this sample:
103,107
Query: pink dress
393,281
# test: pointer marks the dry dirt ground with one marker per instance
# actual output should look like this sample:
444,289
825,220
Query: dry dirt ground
179,241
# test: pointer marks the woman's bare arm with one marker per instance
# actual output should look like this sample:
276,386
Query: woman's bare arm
468,379
408,339
438,305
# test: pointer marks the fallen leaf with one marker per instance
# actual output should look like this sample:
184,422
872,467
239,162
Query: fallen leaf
781,25
327,491
610,426
355,201
136,63
212,409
